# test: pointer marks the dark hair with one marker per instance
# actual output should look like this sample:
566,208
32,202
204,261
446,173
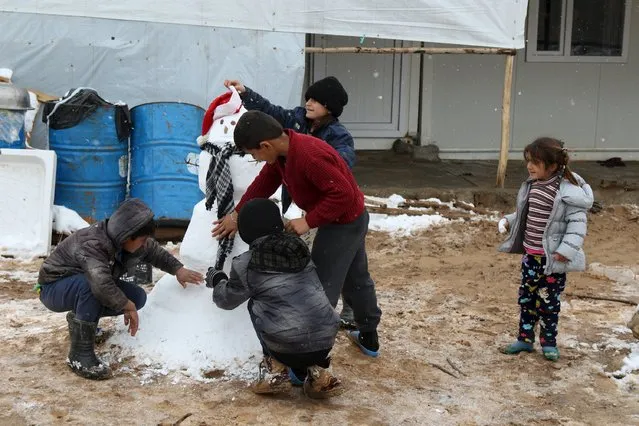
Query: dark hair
550,151
146,231
254,127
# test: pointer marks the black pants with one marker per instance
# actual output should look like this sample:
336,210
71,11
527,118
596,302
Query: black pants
339,253
300,362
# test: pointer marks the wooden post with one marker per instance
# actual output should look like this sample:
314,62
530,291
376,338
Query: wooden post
505,121
420,50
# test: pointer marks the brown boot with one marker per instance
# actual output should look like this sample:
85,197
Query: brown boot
321,384
272,377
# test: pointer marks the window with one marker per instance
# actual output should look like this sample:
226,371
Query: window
578,30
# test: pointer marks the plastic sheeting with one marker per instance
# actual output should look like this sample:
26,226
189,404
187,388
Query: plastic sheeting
137,62
494,23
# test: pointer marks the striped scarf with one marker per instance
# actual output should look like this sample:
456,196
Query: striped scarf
219,187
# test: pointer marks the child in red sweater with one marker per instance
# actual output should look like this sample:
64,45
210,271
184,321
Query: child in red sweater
320,183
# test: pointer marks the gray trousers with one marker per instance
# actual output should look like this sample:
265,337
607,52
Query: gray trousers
339,253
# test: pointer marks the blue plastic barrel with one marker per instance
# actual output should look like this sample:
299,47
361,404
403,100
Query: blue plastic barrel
12,129
164,154
92,165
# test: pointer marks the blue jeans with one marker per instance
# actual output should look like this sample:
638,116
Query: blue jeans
74,294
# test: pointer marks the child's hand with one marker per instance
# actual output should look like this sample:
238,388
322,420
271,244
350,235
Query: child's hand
214,277
235,83
559,258
131,318
299,226
185,276
225,227
503,226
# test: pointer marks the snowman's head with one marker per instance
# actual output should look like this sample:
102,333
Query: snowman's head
222,117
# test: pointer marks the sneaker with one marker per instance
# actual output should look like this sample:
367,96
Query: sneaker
518,346
551,353
321,384
272,377
366,341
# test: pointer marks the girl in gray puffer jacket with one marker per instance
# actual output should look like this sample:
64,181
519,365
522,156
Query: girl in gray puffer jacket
548,228
293,318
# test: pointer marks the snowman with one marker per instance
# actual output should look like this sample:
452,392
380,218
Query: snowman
181,328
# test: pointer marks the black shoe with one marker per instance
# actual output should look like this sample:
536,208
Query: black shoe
369,340
82,359
366,341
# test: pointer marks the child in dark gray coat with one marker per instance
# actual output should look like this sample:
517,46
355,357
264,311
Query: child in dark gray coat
292,316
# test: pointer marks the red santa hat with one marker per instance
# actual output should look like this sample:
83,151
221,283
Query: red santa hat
228,103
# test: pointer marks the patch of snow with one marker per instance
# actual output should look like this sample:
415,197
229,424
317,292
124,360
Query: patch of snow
67,221
18,275
395,201
404,225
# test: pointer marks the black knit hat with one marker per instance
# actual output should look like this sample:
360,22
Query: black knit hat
254,127
330,93
259,217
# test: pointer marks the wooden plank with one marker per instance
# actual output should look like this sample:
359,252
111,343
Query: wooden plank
413,50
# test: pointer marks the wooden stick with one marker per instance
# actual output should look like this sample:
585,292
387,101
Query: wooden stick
468,207
425,204
374,202
452,364
505,121
184,417
420,50
393,211
439,367
396,212
607,299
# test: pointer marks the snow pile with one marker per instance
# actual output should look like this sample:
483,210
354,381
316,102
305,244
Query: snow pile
67,221
404,225
181,329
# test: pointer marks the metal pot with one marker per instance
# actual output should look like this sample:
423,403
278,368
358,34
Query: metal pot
13,98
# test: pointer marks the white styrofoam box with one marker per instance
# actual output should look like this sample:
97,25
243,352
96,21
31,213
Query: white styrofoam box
27,184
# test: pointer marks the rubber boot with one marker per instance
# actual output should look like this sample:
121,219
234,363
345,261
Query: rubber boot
551,353
82,359
517,347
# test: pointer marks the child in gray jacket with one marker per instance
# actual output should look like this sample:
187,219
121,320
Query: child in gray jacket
291,314
548,228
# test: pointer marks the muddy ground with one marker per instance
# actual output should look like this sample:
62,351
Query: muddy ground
448,299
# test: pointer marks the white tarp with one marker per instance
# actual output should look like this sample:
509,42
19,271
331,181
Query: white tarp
493,23
138,62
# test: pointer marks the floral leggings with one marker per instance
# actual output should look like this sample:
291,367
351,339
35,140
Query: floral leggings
539,301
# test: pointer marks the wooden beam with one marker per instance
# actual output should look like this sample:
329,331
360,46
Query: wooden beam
420,50
505,121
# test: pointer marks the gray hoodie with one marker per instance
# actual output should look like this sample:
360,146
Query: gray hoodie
97,252
565,230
